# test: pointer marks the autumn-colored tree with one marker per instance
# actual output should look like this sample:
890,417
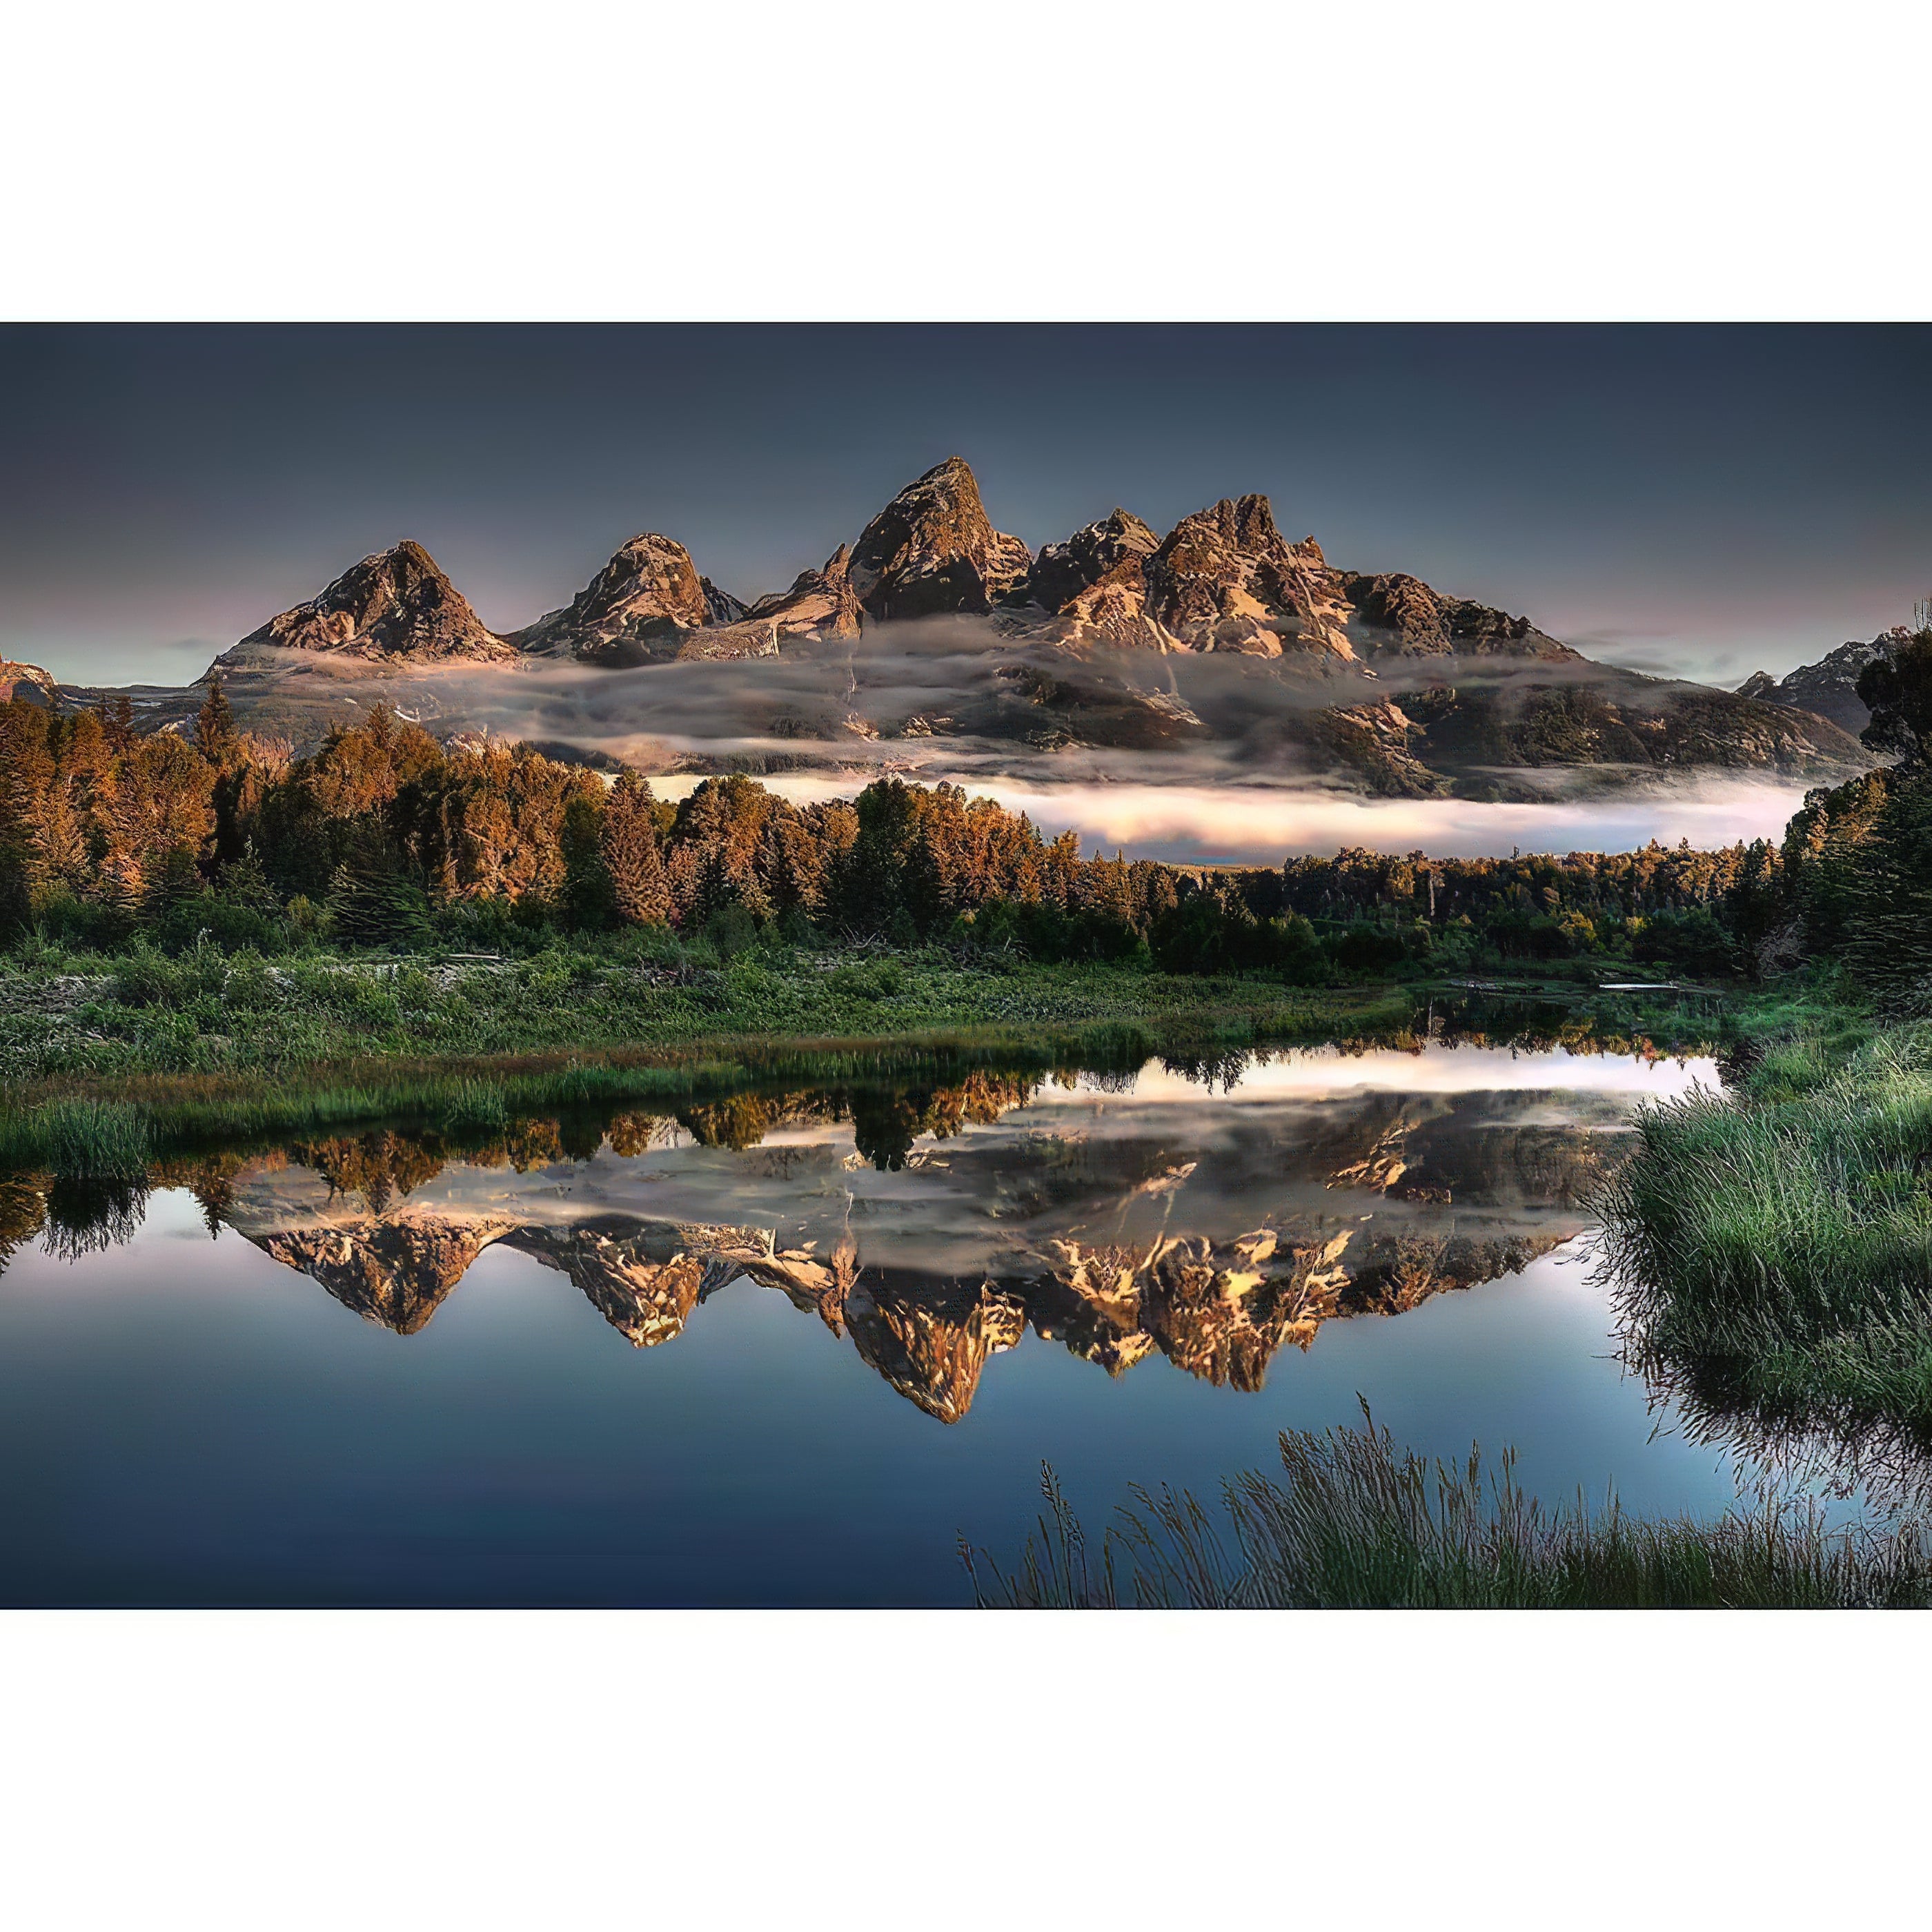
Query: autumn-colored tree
160,808
26,773
628,841
386,823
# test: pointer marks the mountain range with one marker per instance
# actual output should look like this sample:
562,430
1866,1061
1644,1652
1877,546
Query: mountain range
1223,580
935,639
1828,688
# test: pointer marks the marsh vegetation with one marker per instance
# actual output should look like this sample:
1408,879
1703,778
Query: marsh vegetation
1772,1247
1775,1245
1353,1522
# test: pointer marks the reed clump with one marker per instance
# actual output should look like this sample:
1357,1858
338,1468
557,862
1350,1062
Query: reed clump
1778,1240
82,1139
1354,1523
475,1107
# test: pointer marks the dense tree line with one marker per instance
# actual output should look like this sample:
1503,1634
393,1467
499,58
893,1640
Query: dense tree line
383,835
103,830
1661,903
1858,858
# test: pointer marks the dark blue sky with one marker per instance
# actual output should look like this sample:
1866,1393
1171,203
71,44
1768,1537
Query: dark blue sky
1710,500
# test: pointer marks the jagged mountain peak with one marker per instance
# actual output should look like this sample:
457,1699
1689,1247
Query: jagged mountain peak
723,608
1392,613
933,549
395,606
1062,571
634,611
821,603
1829,688
1249,521
1224,579
397,1271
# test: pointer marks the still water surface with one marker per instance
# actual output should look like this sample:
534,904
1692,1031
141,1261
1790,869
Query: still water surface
785,1348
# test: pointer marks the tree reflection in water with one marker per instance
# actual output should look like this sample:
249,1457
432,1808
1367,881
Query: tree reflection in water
1211,1211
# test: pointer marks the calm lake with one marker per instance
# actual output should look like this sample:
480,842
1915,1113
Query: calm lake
784,1349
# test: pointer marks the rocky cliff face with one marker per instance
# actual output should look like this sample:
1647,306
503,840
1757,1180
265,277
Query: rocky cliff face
1225,580
1597,715
1397,615
394,608
753,637
1829,688
930,1341
644,1281
1113,610
1377,741
1222,1311
1062,571
1092,590
635,610
27,684
933,550
721,607
821,603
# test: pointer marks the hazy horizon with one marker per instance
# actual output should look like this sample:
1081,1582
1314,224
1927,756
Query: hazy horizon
1698,501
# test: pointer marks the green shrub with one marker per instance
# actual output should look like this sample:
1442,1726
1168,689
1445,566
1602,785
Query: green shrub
867,979
1368,949
377,908
306,921
731,930
146,977
61,918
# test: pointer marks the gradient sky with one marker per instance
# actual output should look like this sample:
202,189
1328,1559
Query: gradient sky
1706,500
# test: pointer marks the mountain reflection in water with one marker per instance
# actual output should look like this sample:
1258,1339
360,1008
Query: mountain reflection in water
1213,1213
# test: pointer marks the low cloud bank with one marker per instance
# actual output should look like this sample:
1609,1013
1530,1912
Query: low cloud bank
1192,760
1261,825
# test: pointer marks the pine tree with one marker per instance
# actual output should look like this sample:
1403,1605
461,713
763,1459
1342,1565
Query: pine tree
629,841
117,722
244,882
586,879
215,735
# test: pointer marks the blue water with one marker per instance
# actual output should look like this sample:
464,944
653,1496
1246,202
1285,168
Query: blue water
184,1419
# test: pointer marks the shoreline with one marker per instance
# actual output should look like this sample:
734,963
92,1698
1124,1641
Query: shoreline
1130,1018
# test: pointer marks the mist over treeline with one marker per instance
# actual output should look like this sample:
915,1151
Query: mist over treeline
384,837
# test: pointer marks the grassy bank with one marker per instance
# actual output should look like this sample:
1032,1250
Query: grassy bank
1353,1523
1773,1248
68,1018
231,1049
207,1046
